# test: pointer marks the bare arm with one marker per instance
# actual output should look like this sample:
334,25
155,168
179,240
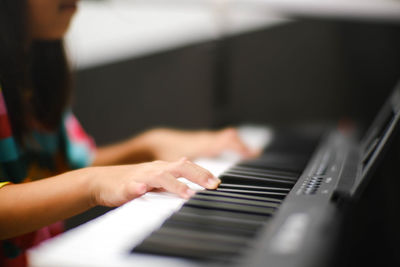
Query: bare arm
30,206
134,150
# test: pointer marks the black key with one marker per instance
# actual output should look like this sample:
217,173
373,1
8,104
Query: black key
156,244
253,180
236,201
223,213
286,162
189,212
261,174
197,222
198,240
238,196
209,228
274,167
254,187
209,237
286,174
277,195
262,211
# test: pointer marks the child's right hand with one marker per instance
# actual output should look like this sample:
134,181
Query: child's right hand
46,201
115,185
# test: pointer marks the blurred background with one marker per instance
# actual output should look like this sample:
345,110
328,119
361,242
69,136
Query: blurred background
195,64
208,63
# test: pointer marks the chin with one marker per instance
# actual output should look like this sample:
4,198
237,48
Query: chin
49,37
52,34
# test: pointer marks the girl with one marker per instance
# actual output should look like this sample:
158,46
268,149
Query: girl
49,168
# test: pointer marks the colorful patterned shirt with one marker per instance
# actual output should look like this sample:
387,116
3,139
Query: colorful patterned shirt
45,154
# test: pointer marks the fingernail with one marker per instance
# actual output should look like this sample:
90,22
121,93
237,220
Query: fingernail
183,159
213,182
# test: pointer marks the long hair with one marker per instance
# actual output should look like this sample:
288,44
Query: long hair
34,75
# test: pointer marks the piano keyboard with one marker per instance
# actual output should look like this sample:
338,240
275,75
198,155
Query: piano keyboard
219,225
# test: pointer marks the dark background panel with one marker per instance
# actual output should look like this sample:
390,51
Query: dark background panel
372,58
312,71
287,74
172,89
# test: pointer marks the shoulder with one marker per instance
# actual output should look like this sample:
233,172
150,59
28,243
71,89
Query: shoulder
80,147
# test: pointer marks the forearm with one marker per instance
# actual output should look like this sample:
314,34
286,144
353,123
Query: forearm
135,150
30,206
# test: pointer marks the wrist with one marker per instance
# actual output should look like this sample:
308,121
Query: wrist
88,182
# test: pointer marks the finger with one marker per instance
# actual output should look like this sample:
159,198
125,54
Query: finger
195,173
169,183
234,142
243,149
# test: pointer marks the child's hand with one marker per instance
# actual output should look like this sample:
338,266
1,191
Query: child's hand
116,185
168,144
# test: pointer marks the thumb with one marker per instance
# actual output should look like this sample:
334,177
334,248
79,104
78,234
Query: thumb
134,190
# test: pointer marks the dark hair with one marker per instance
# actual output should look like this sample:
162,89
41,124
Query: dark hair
34,75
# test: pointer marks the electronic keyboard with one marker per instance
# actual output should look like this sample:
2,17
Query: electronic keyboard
283,208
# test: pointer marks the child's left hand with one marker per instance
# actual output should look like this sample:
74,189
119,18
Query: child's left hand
170,145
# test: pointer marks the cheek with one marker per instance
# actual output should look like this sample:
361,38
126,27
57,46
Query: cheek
42,12
45,19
